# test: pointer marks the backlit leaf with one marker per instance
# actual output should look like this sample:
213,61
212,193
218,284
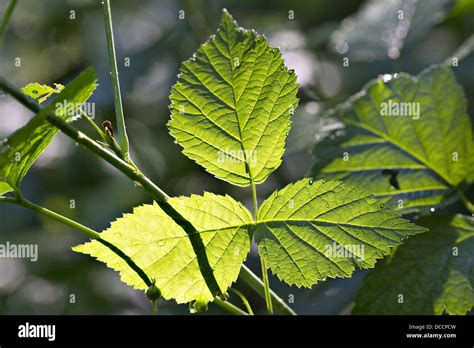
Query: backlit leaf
162,248
309,231
20,150
232,103
413,160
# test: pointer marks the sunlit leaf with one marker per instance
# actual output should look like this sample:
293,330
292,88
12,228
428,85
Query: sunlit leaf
412,161
232,104
309,231
41,92
20,150
163,250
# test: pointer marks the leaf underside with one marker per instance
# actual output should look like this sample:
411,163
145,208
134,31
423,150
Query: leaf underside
433,272
412,162
232,104
162,248
309,231
20,150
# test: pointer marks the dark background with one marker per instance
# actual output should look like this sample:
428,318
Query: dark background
55,48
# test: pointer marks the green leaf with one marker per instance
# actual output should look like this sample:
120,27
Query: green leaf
380,29
232,104
309,231
434,273
410,161
41,92
163,250
20,150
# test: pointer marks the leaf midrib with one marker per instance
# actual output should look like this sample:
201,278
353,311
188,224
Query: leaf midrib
403,148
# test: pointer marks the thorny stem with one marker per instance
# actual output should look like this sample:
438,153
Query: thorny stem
6,18
122,137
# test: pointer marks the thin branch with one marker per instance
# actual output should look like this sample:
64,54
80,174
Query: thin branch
86,230
257,285
229,306
6,18
122,137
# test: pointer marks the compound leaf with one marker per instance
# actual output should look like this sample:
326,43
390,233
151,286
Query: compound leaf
430,274
232,104
309,231
163,250
413,160
20,150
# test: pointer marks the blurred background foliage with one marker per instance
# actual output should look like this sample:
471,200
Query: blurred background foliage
56,39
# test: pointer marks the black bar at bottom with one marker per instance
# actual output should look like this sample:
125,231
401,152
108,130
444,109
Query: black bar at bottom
224,330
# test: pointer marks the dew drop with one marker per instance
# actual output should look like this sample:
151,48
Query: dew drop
386,77
432,209
311,181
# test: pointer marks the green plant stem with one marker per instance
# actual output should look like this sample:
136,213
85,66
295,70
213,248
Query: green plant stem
16,93
254,199
6,18
122,137
131,172
244,300
257,285
93,124
21,201
266,282
229,307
